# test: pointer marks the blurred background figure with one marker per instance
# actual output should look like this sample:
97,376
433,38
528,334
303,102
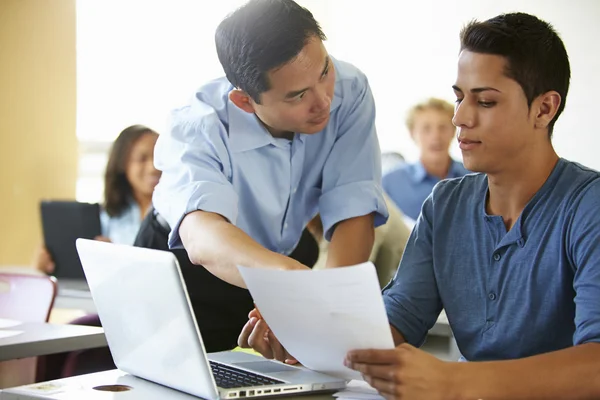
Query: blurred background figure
391,160
430,126
129,181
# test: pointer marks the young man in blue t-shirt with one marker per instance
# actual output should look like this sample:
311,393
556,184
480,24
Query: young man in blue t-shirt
510,253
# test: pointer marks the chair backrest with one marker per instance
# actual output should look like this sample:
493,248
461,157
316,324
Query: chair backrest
27,298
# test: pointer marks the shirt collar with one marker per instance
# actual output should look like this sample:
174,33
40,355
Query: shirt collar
247,133
514,235
517,234
245,130
419,173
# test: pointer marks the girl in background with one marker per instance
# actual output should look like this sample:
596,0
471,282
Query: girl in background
129,181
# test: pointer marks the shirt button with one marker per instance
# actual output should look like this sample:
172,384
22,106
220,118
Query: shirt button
492,296
285,225
295,190
496,257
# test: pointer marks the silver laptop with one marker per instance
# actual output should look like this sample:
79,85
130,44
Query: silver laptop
152,333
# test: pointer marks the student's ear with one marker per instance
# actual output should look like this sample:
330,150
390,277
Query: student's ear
546,106
241,100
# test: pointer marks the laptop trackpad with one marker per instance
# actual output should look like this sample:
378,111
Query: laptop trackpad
265,367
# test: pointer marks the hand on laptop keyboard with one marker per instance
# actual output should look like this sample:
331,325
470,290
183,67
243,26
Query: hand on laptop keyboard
257,336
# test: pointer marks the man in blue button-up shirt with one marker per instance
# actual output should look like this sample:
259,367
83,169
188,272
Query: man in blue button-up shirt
512,253
288,133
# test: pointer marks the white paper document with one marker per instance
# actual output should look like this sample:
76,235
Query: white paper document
318,316
359,390
9,333
8,323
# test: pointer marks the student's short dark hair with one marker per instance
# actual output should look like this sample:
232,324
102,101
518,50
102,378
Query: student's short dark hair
260,36
536,56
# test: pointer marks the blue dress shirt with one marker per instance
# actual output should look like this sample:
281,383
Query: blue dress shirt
122,228
220,159
531,290
408,185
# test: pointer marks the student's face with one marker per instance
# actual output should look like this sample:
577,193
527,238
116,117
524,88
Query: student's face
140,171
433,132
301,93
495,128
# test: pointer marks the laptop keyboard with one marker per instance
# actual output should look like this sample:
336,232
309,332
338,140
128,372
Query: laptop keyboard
229,377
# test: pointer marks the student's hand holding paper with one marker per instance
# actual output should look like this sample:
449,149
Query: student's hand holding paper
344,311
257,336
403,372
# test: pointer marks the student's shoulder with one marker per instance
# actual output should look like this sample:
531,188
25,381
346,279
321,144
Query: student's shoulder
577,192
581,184
578,173
465,185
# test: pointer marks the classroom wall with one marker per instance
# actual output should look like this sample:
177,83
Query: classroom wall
408,49
38,144
420,47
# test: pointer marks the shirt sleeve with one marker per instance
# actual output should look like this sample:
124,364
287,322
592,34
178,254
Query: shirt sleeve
352,173
411,299
196,169
584,236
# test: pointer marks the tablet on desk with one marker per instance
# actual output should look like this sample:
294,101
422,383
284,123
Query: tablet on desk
63,222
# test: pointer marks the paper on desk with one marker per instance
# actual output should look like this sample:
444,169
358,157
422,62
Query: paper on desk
318,316
9,333
359,390
8,323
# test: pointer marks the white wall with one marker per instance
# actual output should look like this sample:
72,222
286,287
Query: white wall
137,59
416,58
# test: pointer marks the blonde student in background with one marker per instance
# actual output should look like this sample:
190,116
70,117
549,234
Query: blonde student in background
409,184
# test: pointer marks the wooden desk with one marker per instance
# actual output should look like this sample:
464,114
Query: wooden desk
29,339
82,387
